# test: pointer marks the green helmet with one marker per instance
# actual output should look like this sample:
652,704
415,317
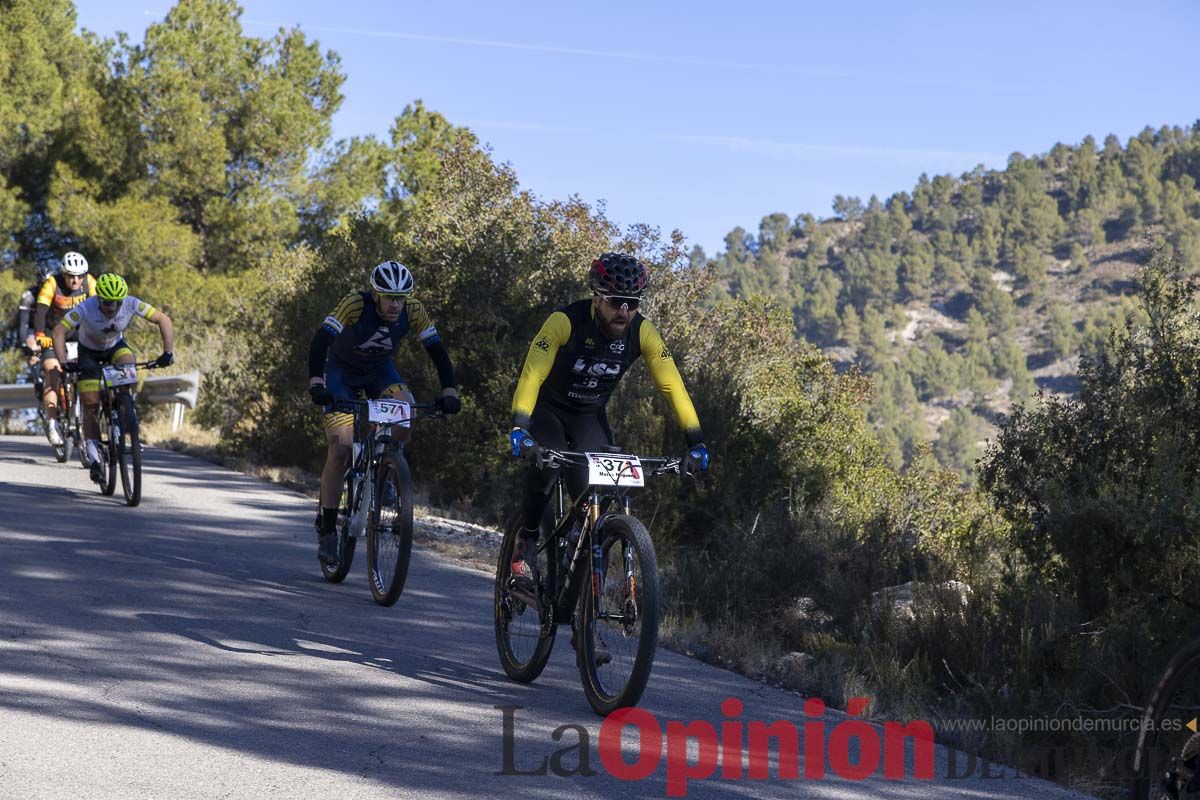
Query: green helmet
111,286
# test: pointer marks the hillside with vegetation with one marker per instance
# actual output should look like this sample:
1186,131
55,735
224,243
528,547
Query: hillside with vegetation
828,549
969,294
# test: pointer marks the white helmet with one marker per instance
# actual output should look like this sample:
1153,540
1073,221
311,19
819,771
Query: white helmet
74,264
392,277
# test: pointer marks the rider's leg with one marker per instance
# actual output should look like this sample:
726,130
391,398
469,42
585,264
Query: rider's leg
387,382
50,400
53,379
547,429
339,433
586,433
90,366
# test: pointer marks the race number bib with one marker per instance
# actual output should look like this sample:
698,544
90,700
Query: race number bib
605,469
389,412
122,375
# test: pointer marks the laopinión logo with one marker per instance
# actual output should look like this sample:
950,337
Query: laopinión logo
854,749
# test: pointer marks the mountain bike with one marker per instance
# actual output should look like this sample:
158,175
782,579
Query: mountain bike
68,412
120,446
1167,760
591,541
376,499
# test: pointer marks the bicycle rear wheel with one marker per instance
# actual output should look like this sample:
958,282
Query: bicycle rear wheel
619,618
129,449
336,573
1167,750
389,533
524,638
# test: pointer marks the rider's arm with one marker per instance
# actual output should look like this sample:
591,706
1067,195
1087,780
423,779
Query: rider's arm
555,333
45,297
669,382
347,312
165,328
59,335
429,338
25,316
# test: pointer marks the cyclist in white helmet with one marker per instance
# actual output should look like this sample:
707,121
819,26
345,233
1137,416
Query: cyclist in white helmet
352,352
58,295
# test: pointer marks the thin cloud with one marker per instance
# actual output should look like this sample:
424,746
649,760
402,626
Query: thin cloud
748,144
813,72
772,147
816,72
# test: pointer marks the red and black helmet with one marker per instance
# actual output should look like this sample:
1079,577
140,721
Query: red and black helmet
618,274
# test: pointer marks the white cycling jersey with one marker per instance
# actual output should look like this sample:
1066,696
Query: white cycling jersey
98,331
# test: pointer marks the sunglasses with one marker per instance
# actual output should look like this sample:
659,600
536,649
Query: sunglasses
383,296
616,301
109,303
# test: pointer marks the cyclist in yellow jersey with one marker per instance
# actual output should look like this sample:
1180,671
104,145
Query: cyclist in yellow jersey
352,352
573,366
58,295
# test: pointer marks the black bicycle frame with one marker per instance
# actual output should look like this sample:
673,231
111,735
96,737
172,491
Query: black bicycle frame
565,597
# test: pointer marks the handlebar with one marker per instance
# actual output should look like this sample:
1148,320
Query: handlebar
73,366
423,410
651,465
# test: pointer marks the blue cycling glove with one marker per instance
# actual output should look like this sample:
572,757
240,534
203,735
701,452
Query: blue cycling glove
697,458
521,442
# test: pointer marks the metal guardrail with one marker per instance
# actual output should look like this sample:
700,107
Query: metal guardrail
182,390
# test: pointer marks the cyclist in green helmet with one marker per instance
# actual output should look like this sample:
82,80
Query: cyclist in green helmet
100,322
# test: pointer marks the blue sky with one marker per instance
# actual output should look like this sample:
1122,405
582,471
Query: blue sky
705,116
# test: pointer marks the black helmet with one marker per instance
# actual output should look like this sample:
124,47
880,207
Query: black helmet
618,274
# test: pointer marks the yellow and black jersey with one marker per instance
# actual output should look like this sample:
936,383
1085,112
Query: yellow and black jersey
58,301
356,336
362,338
572,365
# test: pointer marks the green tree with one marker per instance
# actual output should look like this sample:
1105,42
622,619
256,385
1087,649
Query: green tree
916,270
209,106
44,81
848,208
958,445
1099,488
1060,337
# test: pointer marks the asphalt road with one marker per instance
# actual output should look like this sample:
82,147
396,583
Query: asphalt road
188,648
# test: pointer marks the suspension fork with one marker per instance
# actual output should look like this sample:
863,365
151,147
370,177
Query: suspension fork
597,553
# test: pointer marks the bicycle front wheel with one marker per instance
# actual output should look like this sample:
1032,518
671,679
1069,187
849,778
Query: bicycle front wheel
619,617
129,450
336,573
524,637
107,454
390,530
1168,750
75,427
